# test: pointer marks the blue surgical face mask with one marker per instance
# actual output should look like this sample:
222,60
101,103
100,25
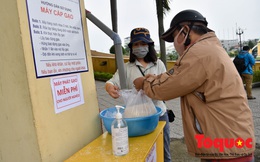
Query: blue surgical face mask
140,51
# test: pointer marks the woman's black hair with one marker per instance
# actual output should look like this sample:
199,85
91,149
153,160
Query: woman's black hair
150,57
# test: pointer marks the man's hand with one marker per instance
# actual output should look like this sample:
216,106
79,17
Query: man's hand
112,90
138,82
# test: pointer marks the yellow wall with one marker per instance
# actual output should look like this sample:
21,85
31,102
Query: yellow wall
30,129
258,48
107,64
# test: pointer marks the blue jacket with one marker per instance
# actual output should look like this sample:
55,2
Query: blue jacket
249,61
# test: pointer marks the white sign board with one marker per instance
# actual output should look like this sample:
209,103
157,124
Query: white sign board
57,37
151,157
67,92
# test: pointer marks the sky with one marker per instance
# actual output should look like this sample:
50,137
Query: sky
225,17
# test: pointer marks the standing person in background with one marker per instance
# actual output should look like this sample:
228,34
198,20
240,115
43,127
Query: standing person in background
217,121
247,74
142,61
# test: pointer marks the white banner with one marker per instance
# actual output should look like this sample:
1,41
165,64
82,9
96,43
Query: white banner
67,92
57,37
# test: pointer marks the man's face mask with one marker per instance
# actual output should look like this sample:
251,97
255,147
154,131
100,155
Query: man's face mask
179,42
140,51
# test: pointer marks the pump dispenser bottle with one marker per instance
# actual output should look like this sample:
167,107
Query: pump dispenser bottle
119,131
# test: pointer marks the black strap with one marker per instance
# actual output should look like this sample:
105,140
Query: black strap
140,70
170,113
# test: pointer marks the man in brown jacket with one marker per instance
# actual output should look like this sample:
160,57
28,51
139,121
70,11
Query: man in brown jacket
217,120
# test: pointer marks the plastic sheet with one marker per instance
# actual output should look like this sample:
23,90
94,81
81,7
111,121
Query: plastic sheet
138,104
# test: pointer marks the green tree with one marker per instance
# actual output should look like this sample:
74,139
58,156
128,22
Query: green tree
251,44
127,49
171,57
162,6
113,50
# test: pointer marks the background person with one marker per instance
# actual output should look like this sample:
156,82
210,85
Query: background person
247,74
143,60
213,100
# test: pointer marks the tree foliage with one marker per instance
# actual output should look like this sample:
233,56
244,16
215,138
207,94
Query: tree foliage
113,50
251,44
162,7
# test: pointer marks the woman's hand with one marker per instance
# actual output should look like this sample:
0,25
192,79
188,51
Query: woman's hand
112,90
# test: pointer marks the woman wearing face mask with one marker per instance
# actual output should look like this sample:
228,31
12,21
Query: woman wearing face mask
142,61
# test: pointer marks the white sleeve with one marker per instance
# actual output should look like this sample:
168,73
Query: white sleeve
161,66
115,79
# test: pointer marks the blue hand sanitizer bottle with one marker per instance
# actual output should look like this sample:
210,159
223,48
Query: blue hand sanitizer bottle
119,131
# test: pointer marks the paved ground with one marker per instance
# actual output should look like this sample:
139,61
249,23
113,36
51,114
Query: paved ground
180,154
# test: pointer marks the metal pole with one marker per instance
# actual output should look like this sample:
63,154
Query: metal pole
240,32
118,47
